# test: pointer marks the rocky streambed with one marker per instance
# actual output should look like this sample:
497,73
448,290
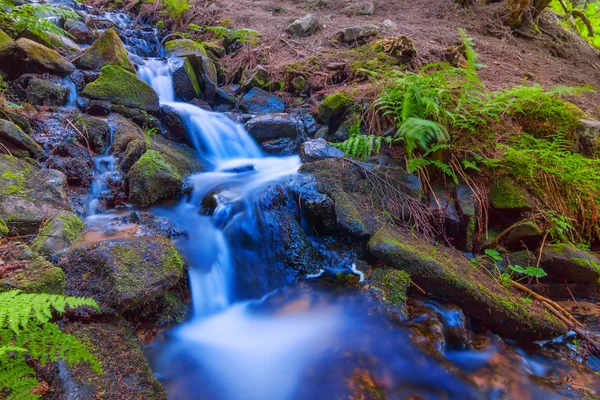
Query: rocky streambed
235,253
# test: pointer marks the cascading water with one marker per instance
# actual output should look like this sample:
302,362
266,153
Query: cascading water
106,165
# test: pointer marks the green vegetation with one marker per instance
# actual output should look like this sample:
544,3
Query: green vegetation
176,9
581,20
27,333
31,17
243,35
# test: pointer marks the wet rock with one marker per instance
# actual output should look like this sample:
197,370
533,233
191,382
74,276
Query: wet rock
18,119
258,101
468,211
185,83
506,195
126,371
61,44
318,149
450,277
174,123
390,286
272,126
29,272
81,33
18,142
224,97
58,234
39,58
94,107
140,117
108,49
203,104
457,335
207,72
184,48
342,133
124,88
95,130
587,137
523,235
77,170
259,77
29,195
46,92
567,263
7,45
122,274
280,147
303,27
305,116
148,224
357,33
334,107
319,209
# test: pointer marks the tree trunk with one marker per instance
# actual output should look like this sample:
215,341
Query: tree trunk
514,10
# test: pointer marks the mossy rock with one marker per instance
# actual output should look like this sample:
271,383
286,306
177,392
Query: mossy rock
506,195
61,44
523,234
31,273
334,107
123,274
7,44
126,371
58,234
184,48
185,82
108,49
544,119
18,142
566,263
29,195
3,228
123,87
39,58
447,275
390,285
96,131
47,92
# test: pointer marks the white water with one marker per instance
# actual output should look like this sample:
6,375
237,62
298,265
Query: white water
106,165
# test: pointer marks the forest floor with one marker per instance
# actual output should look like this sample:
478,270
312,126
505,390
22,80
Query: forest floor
554,57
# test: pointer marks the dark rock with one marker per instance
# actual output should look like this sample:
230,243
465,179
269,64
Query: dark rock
586,138
97,107
185,83
523,234
214,51
81,33
334,107
308,121
259,77
319,210
224,97
39,58
468,209
108,49
272,126
258,101
280,147
449,276
318,149
29,195
208,78
77,170
357,33
33,275
203,104
18,142
567,263
95,130
148,225
47,92
303,27
239,170
122,274
174,123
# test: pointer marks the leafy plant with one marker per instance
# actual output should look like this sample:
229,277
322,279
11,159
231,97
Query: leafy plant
176,9
33,17
27,333
361,146
148,137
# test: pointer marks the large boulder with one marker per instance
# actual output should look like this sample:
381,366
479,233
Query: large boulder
122,87
126,373
318,149
303,27
29,195
206,71
18,142
39,58
122,274
61,44
108,49
185,82
258,101
566,263
447,275
272,126
58,234
25,270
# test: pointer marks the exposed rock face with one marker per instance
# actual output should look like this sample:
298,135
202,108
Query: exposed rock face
58,234
303,27
29,195
523,235
390,286
18,142
108,49
272,126
280,147
122,87
96,131
122,274
174,123
357,33
33,274
206,71
40,58
148,225
258,101
185,82
153,178
77,170
450,277
119,352
318,149
81,33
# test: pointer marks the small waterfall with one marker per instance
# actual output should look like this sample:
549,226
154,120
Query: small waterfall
106,165
72,92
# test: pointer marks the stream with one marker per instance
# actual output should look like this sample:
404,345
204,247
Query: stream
305,340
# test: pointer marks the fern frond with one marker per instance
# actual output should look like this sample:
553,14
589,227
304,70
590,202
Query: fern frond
417,133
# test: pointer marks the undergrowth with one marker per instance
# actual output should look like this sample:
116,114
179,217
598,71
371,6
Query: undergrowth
449,124
27,335
33,17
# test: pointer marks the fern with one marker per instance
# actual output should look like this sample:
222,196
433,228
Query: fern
361,146
33,17
26,332
417,133
175,9
418,163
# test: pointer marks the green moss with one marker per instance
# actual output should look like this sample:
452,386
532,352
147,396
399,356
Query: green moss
153,163
36,276
392,284
183,48
506,195
3,228
122,87
14,183
547,118
583,262
334,106
189,70
108,49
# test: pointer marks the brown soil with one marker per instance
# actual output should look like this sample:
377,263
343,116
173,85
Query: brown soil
556,57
